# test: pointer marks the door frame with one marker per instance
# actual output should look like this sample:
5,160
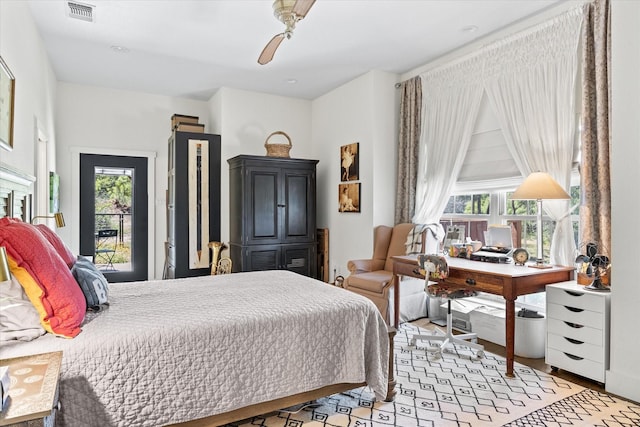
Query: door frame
74,221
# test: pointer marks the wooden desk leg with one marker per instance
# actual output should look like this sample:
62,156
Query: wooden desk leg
396,300
510,315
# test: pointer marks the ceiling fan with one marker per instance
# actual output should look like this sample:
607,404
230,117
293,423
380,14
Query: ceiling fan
289,12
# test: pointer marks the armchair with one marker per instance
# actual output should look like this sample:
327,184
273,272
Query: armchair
372,277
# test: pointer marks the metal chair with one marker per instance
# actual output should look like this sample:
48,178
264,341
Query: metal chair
435,268
104,249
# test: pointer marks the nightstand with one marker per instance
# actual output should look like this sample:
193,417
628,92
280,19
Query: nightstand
578,330
33,393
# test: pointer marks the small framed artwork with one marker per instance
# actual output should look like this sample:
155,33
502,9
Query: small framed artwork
349,162
455,234
349,197
7,95
54,192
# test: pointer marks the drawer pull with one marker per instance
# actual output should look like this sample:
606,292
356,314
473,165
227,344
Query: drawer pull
573,325
574,294
575,310
571,356
573,341
470,281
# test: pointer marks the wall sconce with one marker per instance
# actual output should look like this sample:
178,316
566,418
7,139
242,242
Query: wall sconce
5,273
539,186
59,218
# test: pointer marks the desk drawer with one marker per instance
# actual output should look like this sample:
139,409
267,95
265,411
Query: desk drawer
483,282
575,315
585,367
576,348
575,298
573,330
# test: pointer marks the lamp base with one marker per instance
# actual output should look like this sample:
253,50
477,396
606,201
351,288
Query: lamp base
539,264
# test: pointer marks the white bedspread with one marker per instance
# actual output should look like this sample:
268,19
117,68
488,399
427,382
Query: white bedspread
176,350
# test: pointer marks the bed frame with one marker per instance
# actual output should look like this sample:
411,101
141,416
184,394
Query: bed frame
296,399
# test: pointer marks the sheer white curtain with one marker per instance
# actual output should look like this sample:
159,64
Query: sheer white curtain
531,84
450,102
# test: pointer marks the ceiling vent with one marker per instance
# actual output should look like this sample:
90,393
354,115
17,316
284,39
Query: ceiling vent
80,11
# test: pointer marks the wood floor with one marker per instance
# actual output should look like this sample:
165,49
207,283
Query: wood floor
533,363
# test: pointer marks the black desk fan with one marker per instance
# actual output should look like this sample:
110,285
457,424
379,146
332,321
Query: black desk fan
594,265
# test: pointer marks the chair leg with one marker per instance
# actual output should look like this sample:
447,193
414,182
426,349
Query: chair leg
469,340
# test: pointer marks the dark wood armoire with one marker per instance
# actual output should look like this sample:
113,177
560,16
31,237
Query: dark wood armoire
272,214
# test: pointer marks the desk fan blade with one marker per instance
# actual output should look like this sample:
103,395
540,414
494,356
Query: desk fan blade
301,7
270,49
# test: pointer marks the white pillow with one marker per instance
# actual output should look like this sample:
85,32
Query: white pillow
19,319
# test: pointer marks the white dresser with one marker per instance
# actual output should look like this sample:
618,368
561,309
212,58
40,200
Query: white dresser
578,330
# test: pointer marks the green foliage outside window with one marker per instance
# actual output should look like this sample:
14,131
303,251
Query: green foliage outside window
470,204
113,195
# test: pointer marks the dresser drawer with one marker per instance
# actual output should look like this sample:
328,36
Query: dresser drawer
585,367
576,347
575,315
587,334
576,299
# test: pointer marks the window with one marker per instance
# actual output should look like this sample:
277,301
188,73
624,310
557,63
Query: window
474,211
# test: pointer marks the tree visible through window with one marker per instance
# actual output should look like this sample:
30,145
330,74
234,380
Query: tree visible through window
113,195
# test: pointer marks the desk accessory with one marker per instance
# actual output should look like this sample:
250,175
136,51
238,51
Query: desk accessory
593,268
520,256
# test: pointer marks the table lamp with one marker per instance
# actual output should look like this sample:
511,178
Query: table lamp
539,186
5,273
59,218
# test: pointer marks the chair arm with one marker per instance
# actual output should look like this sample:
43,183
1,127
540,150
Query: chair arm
357,266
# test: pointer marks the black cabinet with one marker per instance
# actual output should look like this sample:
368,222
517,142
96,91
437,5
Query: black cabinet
272,214
193,202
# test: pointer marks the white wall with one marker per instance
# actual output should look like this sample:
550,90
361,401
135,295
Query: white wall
362,111
623,377
23,51
245,119
119,123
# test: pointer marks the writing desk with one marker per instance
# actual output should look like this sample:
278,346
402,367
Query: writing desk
507,280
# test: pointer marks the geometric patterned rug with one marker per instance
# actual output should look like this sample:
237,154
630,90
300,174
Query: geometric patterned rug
460,389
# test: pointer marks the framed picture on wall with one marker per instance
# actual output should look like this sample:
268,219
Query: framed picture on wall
54,192
7,95
349,197
349,162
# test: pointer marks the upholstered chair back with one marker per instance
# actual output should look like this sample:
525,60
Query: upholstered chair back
397,243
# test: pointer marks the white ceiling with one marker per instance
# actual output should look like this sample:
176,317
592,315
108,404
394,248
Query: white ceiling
191,48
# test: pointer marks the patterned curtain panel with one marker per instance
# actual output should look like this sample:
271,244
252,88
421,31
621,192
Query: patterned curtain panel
595,209
408,148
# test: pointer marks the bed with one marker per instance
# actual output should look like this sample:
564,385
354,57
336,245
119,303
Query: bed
166,352
202,351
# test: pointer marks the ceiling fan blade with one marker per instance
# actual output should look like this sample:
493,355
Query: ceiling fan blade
270,49
301,7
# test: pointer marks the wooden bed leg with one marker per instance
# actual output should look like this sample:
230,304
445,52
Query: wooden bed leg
391,387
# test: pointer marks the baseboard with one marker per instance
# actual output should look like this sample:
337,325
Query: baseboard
623,384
